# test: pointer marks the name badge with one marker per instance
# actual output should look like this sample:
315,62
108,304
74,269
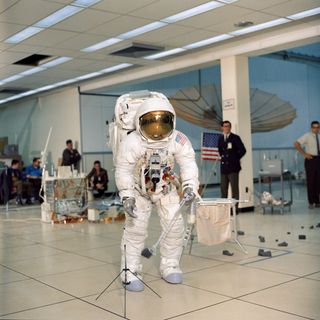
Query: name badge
229,146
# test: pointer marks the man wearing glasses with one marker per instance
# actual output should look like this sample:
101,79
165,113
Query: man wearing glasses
231,150
311,153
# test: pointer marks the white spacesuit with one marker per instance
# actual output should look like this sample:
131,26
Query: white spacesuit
144,176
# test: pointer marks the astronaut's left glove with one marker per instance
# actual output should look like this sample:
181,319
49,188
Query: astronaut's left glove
129,206
188,195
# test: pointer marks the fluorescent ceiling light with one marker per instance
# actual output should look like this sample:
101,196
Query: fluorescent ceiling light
165,53
84,3
260,26
55,62
193,11
207,41
228,1
116,67
62,83
89,75
148,27
58,16
24,34
31,71
304,14
12,78
102,44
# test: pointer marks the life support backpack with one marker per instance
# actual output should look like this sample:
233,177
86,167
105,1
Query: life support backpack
125,111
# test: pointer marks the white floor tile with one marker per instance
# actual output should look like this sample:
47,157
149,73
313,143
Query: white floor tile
234,280
70,310
7,275
300,297
295,264
234,309
175,299
22,295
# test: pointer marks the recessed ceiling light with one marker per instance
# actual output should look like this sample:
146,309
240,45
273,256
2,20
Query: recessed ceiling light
55,62
24,34
304,14
31,71
148,27
116,67
102,44
260,26
193,11
165,53
206,42
12,78
58,16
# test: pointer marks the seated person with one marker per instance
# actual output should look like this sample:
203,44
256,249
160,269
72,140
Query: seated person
71,157
17,183
98,179
34,175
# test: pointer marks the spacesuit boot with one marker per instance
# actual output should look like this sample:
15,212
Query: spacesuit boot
132,282
170,271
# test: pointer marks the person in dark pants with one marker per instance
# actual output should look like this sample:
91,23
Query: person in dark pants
311,153
231,150
71,157
34,175
98,179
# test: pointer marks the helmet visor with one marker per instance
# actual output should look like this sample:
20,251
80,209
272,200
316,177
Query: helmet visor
156,125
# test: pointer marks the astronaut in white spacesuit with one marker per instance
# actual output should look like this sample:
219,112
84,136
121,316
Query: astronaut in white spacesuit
144,176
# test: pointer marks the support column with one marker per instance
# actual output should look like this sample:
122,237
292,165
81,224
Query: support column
236,109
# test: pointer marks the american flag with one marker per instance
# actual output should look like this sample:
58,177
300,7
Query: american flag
209,146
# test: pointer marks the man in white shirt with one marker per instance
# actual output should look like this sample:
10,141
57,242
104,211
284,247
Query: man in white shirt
311,153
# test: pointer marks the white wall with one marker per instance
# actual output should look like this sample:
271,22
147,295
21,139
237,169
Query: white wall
27,123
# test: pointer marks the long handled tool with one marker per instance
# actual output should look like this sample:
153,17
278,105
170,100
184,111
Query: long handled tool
148,252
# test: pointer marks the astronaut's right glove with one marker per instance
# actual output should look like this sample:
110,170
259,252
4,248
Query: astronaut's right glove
188,195
129,205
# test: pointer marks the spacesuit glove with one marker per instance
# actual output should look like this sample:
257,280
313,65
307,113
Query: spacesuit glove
129,205
188,195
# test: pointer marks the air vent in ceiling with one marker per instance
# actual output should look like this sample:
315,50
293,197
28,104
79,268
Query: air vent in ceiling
34,60
137,50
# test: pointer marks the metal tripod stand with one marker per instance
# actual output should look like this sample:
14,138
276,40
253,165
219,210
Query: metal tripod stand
125,283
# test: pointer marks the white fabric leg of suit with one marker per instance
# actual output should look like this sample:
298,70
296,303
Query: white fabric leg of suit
135,234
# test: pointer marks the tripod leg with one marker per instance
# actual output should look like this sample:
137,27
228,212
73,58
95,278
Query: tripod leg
104,290
145,284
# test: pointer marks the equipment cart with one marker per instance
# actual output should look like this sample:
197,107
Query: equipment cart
273,170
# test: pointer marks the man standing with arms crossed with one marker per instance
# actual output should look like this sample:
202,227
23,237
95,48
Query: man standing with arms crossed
311,153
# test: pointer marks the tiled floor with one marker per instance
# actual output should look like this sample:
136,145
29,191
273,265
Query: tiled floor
57,271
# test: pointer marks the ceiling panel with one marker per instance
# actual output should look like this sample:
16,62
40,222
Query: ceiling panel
194,36
80,41
165,8
292,6
219,15
28,12
258,5
256,17
122,6
49,37
10,57
25,48
12,69
9,29
4,5
76,64
118,26
162,34
60,52
85,20
58,73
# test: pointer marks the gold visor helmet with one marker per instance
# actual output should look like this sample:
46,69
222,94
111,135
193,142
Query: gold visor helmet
156,125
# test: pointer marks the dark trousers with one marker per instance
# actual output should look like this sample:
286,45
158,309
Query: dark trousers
233,179
312,167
